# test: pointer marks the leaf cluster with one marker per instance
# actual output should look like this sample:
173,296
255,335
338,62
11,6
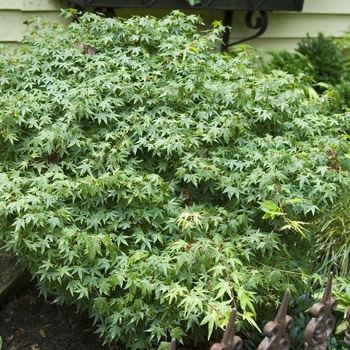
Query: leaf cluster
325,56
324,63
333,241
133,167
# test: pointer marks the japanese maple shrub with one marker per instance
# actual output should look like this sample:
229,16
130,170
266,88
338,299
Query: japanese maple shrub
156,183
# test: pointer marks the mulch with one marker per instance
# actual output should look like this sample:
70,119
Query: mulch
29,322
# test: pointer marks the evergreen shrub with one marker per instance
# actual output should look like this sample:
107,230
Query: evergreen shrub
289,61
326,57
323,61
157,184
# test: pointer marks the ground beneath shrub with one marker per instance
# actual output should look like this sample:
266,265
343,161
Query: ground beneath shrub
28,322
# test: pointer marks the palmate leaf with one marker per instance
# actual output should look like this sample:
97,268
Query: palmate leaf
148,183
271,210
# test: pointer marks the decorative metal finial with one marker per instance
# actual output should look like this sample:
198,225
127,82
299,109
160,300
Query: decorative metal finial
347,332
323,322
173,344
230,341
275,331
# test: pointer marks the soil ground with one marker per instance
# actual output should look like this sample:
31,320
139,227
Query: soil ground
29,322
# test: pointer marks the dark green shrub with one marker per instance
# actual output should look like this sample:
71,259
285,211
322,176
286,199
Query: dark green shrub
344,44
155,183
342,93
294,63
320,58
288,61
325,56
322,61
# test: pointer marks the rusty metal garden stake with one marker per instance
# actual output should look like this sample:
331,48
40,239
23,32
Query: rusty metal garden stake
316,333
230,341
321,325
173,344
275,331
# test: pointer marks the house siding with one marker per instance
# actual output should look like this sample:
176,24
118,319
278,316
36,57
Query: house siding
285,29
15,14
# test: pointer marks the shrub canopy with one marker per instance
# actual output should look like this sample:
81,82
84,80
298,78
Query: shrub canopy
146,178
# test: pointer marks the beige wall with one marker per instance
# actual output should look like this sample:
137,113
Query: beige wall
14,14
284,29
331,17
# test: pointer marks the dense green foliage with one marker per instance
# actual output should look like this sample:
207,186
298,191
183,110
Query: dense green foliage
325,57
333,242
344,45
319,57
289,61
323,60
158,184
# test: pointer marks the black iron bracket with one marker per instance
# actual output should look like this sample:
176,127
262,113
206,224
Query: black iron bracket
241,5
228,6
109,11
261,24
